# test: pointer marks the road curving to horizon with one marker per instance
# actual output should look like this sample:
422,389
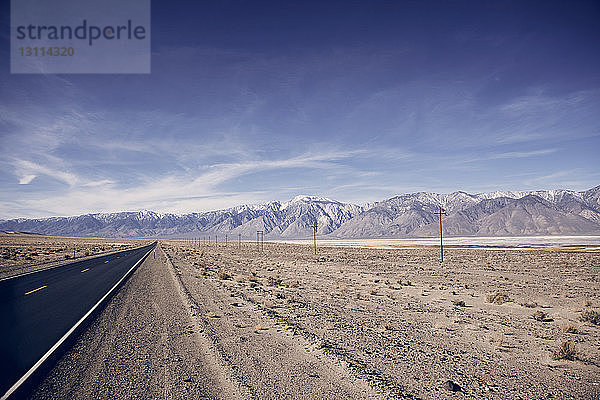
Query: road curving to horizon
38,309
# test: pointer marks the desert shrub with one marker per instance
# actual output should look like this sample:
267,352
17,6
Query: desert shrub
223,275
497,298
293,284
459,303
273,281
590,316
530,305
566,351
570,328
541,316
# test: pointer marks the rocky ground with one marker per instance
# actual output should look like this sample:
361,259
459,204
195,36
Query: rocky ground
22,253
488,323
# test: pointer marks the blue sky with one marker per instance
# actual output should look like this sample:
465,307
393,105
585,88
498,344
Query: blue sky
251,101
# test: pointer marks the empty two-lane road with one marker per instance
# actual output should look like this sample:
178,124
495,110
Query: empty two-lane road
38,309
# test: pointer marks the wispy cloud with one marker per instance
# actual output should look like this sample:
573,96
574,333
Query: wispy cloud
521,154
25,169
25,180
175,193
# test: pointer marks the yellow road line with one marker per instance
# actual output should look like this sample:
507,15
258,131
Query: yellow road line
85,270
35,290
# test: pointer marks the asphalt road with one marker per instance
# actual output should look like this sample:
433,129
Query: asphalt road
36,310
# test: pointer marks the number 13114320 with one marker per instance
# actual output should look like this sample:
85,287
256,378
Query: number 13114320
54,51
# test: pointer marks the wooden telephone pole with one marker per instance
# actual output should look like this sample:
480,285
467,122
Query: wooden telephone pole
315,237
260,240
441,234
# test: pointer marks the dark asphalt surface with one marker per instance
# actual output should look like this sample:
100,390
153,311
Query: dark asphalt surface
32,321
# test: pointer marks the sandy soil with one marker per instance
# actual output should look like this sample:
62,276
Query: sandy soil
22,253
399,320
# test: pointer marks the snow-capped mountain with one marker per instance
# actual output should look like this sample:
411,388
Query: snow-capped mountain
291,219
551,212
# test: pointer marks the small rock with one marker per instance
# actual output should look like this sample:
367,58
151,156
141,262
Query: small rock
454,387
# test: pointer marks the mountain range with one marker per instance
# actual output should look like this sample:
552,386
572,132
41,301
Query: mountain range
549,212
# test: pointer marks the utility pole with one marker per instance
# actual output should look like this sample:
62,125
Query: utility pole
441,234
239,240
315,237
225,240
260,240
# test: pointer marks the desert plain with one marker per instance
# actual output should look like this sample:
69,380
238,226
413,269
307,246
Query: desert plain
22,253
238,320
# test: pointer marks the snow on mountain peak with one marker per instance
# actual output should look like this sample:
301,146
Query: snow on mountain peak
306,198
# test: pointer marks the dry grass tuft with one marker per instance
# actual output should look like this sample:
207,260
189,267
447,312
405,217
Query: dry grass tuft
498,298
590,316
541,316
223,275
569,328
566,351
273,281
530,305
293,284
